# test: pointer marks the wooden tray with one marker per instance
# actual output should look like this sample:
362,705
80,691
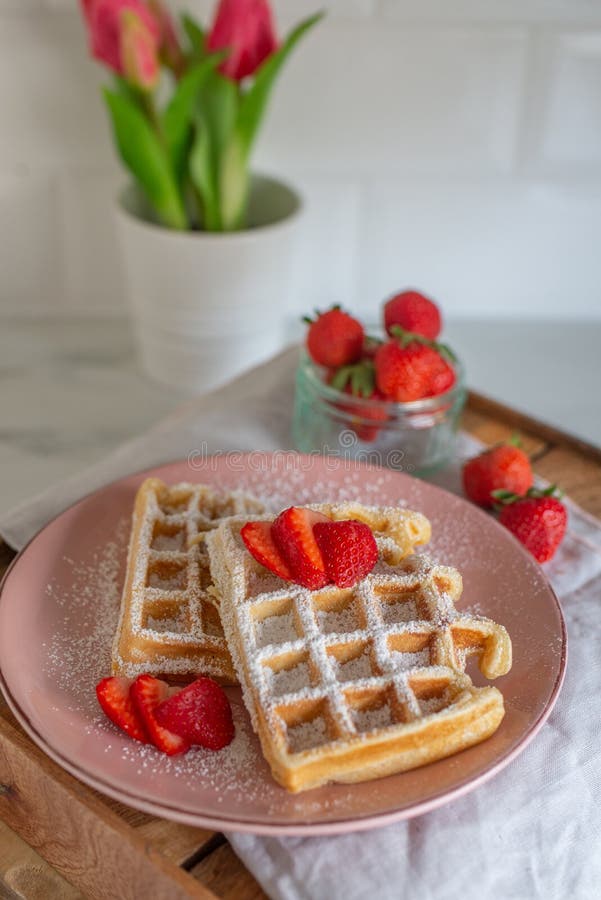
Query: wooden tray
61,839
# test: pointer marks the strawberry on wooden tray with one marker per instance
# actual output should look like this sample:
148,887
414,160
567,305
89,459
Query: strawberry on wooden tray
503,467
539,520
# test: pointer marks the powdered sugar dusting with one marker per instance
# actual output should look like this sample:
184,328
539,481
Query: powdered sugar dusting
168,582
407,661
168,542
275,630
90,608
307,735
289,681
76,664
371,719
354,669
370,649
339,621
432,705
400,611
234,771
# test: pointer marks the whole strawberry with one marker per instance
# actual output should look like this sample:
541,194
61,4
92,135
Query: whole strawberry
413,312
504,467
334,338
538,520
410,367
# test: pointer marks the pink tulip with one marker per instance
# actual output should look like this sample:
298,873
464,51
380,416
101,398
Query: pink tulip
86,8
138,52
104,21
244,28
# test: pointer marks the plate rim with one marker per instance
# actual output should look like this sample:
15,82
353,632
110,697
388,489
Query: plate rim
308,828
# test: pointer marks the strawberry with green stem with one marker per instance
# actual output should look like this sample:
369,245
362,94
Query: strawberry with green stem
411,367
334,338
538,519
359,380
413,312
503,467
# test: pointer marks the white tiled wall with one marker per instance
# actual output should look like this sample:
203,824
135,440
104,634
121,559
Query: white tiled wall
450,145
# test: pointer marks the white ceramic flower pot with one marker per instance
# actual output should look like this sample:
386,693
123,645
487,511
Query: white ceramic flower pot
206,306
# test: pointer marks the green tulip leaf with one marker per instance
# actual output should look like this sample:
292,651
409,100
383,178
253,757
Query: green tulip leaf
233,187
254,101
128,91
144,155
179,115
202,177
196,38
217,112
218,102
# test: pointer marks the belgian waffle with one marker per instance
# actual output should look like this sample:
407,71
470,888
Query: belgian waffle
352,684
168,624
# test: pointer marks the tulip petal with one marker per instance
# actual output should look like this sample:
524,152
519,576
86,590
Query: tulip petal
245,28
138,52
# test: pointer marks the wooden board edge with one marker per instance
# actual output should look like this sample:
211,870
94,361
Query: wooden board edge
485,405
77,834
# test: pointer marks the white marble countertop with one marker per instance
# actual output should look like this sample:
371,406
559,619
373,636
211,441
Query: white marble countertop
70,390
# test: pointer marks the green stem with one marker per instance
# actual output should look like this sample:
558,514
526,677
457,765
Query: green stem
151,111
176,217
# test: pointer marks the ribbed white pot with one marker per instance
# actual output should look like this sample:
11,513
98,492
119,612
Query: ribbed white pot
208,305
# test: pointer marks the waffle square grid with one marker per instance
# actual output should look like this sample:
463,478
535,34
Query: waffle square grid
169,625
326,673
344,653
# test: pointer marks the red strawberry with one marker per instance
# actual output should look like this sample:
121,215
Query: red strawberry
361,417
334,338
200,713
293,534
259,542
538,520
114,698
413,312
359,381
411,368
348,548
147,693
504,467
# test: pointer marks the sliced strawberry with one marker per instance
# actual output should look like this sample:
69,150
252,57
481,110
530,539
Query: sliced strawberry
200,713
259,542
348,548
113,696
293,535
146,693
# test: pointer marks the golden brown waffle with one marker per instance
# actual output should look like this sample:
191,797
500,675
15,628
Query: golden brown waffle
352,684
398,531
168,624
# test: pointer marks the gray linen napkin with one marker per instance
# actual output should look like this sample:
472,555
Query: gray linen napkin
534,831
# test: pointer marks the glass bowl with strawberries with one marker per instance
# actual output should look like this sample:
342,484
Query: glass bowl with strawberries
393,400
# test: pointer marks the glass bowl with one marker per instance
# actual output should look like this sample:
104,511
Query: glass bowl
416,437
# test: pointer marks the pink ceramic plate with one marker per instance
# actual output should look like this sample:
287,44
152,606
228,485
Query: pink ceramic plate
58,609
